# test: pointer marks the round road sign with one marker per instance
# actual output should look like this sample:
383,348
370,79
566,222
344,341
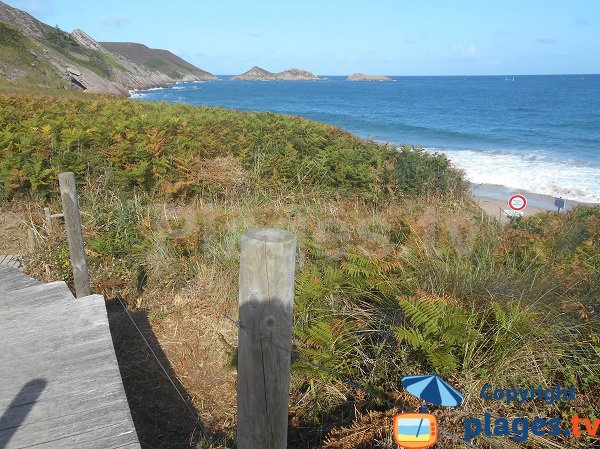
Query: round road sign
517,202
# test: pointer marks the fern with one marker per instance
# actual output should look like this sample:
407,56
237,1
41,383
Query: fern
329,342
371,277
436,329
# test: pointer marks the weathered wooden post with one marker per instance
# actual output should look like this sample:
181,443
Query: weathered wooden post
31,238
48,220
267,264
68,193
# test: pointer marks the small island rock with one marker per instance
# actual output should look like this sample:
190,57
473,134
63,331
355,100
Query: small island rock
260,74
364,77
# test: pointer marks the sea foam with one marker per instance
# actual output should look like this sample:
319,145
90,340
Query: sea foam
533,171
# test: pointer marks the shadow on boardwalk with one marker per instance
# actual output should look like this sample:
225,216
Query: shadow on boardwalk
161,418
19,408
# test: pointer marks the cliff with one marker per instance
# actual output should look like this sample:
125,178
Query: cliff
33,52
260,74
363,77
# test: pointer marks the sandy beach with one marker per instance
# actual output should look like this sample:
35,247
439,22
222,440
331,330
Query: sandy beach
493,199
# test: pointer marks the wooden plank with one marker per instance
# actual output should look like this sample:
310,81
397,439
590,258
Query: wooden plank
15,302
47,408
109,436
56,379
11,278
21,289
68,193
61,386
53,348
266,297
58,366
84,429
12,260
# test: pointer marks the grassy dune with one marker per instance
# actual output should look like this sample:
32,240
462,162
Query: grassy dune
399,272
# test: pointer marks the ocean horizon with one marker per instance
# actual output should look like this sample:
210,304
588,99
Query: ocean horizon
538,133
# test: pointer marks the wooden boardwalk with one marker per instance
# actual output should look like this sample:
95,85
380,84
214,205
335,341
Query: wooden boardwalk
60,385
13,260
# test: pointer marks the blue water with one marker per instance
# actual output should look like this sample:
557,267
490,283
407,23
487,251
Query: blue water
537,133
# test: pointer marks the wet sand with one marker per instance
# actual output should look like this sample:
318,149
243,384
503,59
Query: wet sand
492,198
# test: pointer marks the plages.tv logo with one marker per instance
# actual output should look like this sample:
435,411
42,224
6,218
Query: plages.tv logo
420,430
415,430
520,429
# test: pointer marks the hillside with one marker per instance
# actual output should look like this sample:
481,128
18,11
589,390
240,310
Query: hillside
35,53
259,74
167,148
156,59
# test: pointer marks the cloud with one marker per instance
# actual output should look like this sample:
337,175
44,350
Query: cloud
546,40
36,8
116,21
465,53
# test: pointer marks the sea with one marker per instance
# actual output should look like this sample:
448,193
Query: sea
536,133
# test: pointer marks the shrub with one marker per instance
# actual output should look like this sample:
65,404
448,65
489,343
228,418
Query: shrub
178,150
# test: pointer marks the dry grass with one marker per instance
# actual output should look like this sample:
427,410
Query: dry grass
186,319
197,339
13,231
190,267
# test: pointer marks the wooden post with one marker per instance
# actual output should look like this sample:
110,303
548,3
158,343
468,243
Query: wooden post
267,263
32,239
48,220
68,193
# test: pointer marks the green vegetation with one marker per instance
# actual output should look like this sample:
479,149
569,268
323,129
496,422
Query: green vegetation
23,87
61,40
19,60
398,272
154,63
20,54
10,37
180,150
155,59
164,66
64,43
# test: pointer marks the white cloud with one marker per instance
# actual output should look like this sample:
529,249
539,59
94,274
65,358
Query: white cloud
116,21
465,53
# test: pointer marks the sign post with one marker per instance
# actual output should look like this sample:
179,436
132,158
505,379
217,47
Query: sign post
517,202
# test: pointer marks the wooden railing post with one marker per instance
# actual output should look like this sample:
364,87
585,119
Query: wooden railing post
68,194
266,297
31,238
48,220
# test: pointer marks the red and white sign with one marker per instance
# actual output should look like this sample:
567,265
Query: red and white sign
517,202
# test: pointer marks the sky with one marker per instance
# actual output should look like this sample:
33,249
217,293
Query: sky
339,37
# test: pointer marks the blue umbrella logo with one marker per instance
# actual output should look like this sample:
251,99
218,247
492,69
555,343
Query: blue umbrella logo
420,430
432,390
